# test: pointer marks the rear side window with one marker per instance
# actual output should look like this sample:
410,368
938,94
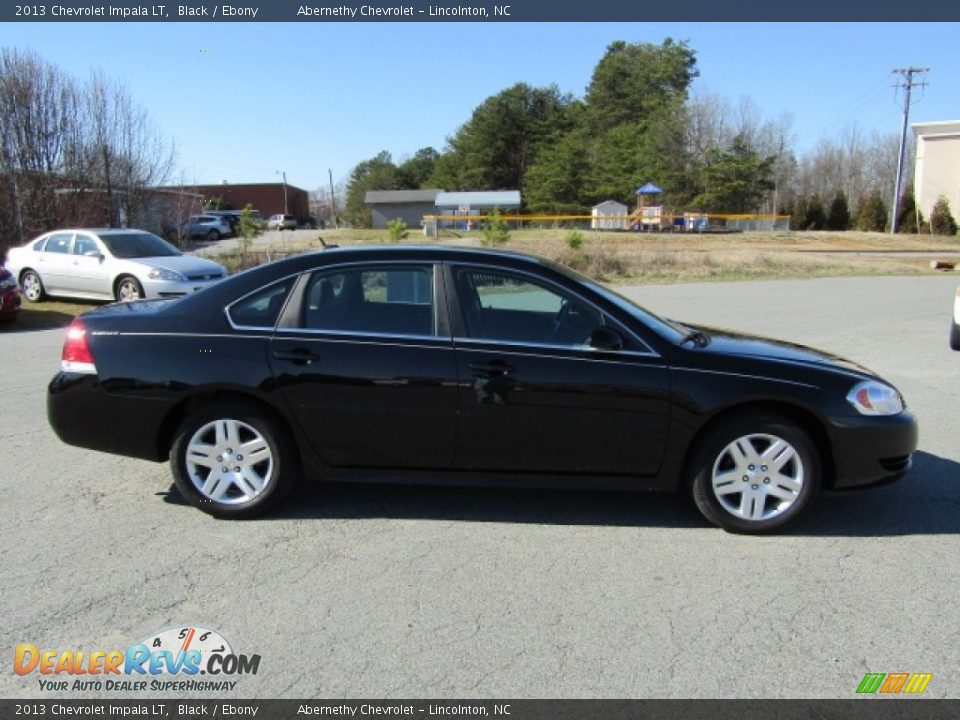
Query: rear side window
262,309
59,243
381,300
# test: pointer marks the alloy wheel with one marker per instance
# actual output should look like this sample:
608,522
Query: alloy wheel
757,477
229,461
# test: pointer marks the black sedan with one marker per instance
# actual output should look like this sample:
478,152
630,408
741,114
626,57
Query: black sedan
437,364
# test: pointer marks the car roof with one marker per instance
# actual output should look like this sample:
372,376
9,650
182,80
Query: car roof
425,251
98,231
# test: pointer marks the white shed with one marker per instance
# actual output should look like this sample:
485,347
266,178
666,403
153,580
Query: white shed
609,215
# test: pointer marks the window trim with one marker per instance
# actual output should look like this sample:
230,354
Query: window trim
271,328
456,309
441,327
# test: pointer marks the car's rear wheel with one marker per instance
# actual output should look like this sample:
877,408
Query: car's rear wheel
755,473
213,236
954,336
233,461
128,288
32,287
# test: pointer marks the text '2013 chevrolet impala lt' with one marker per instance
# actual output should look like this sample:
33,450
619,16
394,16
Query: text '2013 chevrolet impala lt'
438,364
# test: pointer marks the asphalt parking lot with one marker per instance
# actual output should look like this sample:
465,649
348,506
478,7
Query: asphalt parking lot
444,592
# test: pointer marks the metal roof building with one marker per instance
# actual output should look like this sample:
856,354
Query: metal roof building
408,205
487,200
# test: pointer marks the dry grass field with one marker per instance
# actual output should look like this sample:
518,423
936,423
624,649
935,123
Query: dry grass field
623,257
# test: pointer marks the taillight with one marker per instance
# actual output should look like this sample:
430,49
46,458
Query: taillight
77,357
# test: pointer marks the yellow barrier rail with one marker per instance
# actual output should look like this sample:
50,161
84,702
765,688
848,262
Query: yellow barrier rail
562,218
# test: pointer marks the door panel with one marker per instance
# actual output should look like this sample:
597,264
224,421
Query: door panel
55,264
534,397
561,411
89,271
367,374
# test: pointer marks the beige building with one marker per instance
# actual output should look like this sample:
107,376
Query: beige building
937,170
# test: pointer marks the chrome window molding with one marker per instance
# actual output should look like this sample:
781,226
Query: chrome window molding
550,346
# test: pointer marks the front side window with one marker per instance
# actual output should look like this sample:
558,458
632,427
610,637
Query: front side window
499,305
262,309
383,300
84,245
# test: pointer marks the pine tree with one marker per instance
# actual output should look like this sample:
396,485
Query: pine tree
816,217
839,216
909,218
872,213
941,219
798,217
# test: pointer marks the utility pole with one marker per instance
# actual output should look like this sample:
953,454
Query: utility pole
333,204
284,173
906,82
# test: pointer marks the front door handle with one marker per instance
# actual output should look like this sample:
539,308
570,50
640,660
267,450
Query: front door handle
301,356
494,367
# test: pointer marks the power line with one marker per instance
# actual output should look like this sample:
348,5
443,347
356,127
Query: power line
907,82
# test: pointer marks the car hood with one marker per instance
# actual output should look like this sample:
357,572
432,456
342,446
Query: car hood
183,264
728,342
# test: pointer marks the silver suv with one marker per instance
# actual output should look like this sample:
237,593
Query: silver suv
282,222
211,227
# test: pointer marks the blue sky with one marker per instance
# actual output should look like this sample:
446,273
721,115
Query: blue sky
243,101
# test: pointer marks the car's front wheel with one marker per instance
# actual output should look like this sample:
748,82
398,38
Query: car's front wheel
128,288
213,236
32,286
232,461
755,473
954,336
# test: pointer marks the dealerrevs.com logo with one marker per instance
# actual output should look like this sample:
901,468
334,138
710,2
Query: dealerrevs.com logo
170,660
894,683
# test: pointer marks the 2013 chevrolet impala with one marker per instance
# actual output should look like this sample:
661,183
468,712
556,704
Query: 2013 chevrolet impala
438,364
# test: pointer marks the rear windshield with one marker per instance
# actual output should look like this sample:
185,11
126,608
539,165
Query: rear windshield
138,245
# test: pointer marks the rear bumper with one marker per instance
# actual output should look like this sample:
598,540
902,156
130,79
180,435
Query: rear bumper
123,425
872,451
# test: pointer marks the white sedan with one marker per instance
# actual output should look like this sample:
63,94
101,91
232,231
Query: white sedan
955,325
107,264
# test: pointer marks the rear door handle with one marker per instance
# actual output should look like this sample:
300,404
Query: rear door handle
301,356
494,367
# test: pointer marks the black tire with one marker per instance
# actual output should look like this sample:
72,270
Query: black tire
240,499
128,288
753,432
954,336
30,281
213,236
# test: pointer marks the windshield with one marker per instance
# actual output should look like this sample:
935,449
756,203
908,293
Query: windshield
138,245
665,328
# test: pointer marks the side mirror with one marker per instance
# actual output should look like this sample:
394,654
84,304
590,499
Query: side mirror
606,338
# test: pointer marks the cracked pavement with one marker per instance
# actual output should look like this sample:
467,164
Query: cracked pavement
382,591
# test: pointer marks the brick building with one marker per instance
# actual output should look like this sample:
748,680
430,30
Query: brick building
268,198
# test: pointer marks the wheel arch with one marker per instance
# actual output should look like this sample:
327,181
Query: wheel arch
804,418
189,405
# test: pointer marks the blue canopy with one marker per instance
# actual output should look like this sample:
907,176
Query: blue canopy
649,189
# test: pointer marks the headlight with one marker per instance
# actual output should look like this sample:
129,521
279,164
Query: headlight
874,398
9,284
164,274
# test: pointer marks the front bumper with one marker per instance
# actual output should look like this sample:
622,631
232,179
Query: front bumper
168,289
872,450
